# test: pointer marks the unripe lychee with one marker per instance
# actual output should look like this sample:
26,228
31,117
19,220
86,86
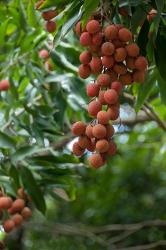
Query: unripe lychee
117,86
83,141
50,26
113,113
139,76
120,54
108,61
85,39
101,97
103,117
44,54
132,50
111,96
92,89
99,131
102,146
111,32
88,131
84,71
77,150
107,48
120,68
141,63
125,35
94,107
50,14
8,226
85,57
109,131
4,85
17,219
5,202
104,80
93,26
95,161
126,79
130,63
97,39
78,128
18,205
26,213
112,148
96,65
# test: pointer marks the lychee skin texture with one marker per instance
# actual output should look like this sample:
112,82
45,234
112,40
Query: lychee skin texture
84,71
126,79
97,39
120,54
5,202
92,90
96,65
48,15
141,63
120,68
85,39
113,113
139,76
130,63
95,161
125,35
104,80
44,54
107,48
93,26
132,50
4,85
117,86
26,213
101,97
94,107
50,26
112,148
91,146
99,131
18,205
103,117
85,57
83,141
108,61
88,131
79,29
18,219
102,146
111,32
111,96
109,131
78,128
77,150
8,226
113,75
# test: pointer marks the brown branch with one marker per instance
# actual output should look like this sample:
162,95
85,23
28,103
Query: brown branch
147,246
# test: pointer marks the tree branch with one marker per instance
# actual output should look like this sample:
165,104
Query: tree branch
147,246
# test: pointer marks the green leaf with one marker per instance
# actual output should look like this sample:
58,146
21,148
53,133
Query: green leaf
160,5
145,89
24,152
162,86
31,13
136,19
6,141
32,188
160,55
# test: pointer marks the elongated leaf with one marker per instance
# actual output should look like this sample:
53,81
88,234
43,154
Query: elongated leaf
24,152
145,89
138,17
88,8
33,189
162,86
160,55
6,141
32,20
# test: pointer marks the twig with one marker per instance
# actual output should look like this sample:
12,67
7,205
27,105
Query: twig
147,246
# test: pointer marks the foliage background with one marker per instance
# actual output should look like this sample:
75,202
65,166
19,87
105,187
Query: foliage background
35,119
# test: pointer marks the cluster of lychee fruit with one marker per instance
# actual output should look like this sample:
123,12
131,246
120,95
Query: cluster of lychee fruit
115,58
48,16
14,212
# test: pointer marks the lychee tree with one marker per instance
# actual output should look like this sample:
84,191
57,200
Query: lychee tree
42,94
